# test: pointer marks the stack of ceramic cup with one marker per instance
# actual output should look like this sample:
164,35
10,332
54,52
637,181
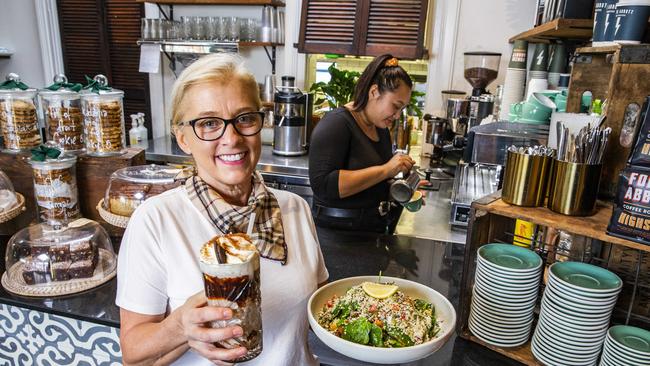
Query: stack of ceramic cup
575,313
514,86
558,65
504,295
626,345
538,75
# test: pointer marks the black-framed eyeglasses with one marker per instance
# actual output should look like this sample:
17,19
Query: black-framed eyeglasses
212,128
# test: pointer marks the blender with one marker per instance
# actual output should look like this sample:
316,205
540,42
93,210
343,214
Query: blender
481,68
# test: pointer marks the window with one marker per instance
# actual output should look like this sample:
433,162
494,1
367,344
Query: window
364,27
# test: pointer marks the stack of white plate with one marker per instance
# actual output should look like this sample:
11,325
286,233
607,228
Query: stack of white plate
626,345
575,312
504,295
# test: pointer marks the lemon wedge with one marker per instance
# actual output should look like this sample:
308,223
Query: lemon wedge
378,290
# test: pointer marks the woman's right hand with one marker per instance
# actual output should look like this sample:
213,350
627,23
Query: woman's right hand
398,163
195,319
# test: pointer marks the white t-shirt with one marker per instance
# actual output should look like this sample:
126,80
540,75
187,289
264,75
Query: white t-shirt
158,270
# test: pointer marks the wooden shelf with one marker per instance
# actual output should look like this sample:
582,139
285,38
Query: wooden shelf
214,2
604,49
590,226
558,28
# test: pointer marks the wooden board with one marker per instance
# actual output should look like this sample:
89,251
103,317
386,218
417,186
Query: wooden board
620,75
590,226
558,28
214,2
92,180
589,73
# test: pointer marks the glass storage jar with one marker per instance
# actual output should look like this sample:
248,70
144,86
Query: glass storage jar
43,261
129,187
55,190
103,114
18,118
8,198
62,114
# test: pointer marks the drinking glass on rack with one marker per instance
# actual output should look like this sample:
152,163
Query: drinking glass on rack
222,28
198,30
212,28
145,28
233,29
249,29
186,27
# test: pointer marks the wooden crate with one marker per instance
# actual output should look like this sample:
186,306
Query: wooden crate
92,180
491,220
620,75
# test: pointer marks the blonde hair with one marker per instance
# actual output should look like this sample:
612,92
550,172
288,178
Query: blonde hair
218,67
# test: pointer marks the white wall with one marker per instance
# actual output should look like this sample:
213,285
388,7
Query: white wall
19,33
472,25
487,26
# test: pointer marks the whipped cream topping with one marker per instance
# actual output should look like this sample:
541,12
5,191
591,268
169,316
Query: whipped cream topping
238,248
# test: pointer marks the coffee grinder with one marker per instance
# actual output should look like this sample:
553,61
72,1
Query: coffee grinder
292,119
481,68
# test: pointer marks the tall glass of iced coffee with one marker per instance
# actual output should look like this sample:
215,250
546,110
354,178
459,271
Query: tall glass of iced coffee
231,274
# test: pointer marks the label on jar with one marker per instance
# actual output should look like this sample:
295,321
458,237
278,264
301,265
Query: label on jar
56,189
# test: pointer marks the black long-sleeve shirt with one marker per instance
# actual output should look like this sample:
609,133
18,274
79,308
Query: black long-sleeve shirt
338,143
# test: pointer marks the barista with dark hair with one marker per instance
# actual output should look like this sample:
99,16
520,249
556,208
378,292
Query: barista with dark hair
351,158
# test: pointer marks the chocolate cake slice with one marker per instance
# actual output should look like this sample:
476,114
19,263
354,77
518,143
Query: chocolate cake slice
82,269
36,271
59,253
60,271
81,250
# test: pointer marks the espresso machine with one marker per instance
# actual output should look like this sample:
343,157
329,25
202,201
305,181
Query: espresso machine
292,119
481,68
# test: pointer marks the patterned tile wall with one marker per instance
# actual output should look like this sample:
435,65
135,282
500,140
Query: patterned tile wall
29,337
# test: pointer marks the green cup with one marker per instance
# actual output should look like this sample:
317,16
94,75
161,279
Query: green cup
513,116
560,101
415,203
536,110
540,58
551,94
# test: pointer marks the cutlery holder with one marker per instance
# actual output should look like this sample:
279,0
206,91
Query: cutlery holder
574,188
525,179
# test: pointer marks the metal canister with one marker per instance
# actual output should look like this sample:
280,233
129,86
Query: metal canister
525,179
575,188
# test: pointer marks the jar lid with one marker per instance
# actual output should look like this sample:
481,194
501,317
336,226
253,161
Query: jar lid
62,162
147,174
98,88
61,88
13,87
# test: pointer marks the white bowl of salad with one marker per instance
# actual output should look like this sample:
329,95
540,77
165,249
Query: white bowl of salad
383,320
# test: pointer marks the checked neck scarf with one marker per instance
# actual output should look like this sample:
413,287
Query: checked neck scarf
267,235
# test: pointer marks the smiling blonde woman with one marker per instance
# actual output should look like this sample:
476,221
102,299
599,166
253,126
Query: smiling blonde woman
216,119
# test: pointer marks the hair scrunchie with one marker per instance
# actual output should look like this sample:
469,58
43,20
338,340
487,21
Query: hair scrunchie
391,62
